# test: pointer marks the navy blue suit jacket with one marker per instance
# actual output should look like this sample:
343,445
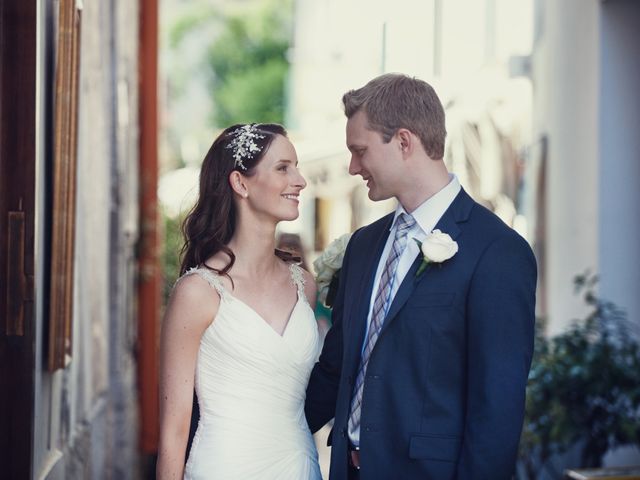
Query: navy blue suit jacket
445,386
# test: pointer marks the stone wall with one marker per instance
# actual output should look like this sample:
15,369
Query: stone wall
88,425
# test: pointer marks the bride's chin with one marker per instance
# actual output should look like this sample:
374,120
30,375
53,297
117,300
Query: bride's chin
290,218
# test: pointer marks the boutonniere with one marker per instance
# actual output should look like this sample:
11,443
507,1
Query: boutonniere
437,247
328,266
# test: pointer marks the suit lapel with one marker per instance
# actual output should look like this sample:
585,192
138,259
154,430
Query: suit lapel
457,213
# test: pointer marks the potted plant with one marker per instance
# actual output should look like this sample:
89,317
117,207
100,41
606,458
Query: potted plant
584,387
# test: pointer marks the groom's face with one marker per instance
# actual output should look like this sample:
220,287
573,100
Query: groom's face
375,161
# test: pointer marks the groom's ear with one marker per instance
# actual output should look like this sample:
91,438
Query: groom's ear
406,141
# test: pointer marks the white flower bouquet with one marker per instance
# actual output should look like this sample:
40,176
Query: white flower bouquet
327,265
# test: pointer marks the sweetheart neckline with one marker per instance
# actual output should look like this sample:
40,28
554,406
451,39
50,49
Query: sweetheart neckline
213,279
262,319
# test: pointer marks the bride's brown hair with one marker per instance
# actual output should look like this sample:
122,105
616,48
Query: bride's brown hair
212,221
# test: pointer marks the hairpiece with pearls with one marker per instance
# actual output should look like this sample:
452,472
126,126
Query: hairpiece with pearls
243,144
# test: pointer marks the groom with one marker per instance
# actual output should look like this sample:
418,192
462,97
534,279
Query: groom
424,370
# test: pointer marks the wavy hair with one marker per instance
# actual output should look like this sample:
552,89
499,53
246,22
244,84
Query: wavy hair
211,223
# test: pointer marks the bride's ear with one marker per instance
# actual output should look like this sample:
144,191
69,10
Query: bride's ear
238,184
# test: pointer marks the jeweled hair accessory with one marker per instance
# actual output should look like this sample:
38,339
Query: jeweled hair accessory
244,145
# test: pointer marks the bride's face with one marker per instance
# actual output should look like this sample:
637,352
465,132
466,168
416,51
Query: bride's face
275,186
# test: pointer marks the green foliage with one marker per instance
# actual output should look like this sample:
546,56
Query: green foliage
263,85
200,16
250,66
243,62
584,386
171,253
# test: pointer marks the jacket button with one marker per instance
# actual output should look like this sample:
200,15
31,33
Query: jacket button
344,432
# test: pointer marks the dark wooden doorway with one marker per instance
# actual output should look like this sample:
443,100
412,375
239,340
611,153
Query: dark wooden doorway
18,28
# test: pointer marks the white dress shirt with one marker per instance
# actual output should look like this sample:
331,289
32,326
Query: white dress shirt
426,216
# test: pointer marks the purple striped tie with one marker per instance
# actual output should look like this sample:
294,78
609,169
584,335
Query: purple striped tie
404,222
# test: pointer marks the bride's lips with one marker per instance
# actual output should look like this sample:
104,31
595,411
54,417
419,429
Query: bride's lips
291,196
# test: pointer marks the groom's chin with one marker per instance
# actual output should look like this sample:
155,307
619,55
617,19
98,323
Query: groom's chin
377,196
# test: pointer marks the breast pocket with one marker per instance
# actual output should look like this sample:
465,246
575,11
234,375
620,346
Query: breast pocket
436,312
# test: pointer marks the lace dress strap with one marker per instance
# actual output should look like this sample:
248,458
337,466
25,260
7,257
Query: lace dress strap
211,277
297,275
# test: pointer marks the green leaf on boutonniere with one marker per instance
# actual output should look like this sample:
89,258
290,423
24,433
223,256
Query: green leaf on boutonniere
437,247
425,263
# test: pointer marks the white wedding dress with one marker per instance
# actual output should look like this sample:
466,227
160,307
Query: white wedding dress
251,385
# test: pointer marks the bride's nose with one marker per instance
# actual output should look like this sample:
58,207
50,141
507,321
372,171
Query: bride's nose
299,180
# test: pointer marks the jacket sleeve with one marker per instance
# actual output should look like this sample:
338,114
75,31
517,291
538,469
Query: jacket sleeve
322,391
500,336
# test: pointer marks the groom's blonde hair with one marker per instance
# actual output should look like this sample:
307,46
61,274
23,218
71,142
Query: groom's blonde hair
393,101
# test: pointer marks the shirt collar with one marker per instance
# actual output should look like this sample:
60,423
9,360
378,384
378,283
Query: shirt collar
431,210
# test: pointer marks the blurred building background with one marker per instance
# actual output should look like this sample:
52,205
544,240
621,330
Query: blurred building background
585,66
466,58
102,110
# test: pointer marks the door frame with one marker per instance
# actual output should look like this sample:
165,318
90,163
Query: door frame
18,64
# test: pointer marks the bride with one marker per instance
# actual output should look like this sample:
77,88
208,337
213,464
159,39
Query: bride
239,326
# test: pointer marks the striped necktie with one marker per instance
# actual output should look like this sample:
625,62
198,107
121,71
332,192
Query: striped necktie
404,223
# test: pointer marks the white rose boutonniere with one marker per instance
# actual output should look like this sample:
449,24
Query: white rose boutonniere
328,263
436,248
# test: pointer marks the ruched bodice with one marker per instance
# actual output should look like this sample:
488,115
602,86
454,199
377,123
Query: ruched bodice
251,384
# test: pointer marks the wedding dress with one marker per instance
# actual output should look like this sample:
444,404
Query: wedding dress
251,384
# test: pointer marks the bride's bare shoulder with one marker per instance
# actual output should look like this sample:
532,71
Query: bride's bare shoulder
193,284
193,300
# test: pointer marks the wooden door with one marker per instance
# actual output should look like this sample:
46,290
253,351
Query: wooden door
17,220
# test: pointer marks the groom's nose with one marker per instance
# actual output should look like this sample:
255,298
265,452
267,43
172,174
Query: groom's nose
354,166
